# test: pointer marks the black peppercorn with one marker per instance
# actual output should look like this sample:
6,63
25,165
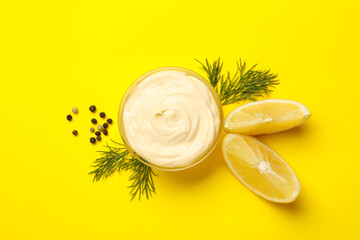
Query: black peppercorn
69,117
98,138
105,125
105,132
109,121
92,108
102,114
97,133
75,133
92,140
94,121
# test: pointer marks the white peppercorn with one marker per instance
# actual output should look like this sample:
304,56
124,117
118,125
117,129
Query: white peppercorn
75,110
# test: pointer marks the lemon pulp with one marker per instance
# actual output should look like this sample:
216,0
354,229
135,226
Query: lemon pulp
267,116
260,168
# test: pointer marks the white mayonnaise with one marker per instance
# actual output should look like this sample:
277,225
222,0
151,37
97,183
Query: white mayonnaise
171,118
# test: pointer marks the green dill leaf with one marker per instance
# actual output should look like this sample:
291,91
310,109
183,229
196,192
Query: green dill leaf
213,71
117,159
243,85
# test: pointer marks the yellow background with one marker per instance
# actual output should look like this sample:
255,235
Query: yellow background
58,54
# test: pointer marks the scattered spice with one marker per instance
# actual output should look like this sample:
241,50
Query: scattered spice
100,128
92,108
75,110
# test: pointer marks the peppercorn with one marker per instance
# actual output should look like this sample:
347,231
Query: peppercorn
98,138
92,129
97,133
75,110
92,108
94,121
92,140
106,125
102,114
105,132
100,128
109,121
75,133
69,117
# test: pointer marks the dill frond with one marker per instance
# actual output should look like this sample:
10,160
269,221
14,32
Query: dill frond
243,85
117,159
213,71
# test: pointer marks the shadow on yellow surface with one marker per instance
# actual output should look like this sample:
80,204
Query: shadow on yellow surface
296,207
298,133
199,172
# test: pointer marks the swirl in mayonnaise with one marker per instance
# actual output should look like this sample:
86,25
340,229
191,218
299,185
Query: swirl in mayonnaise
171,118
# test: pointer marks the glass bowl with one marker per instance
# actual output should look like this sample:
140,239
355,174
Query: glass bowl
202,156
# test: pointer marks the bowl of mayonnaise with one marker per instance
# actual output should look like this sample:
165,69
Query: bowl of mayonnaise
170,118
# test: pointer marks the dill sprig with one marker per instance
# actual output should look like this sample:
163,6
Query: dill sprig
243,85
116,159
213,71
142,181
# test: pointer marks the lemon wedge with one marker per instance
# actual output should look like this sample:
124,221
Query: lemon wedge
267,116
260,168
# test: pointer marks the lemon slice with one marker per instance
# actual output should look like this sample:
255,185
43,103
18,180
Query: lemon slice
260,168
267,116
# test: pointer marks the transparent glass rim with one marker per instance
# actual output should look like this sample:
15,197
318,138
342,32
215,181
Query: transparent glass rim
128,92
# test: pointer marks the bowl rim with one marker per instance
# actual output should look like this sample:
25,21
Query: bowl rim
128,92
